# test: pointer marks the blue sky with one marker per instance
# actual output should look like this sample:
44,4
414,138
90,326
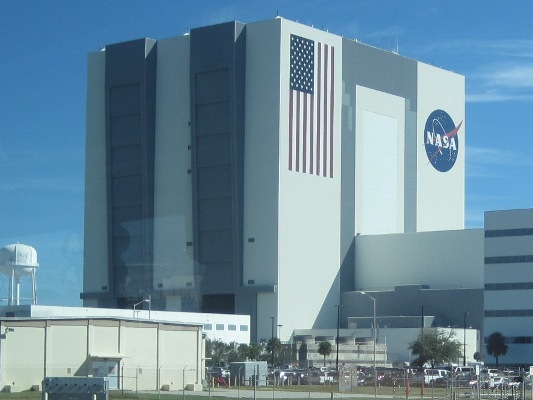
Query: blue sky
44,51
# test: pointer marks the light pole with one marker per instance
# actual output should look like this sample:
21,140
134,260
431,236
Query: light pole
272,341
422,322
464,338
374,340
337,338
279,338
136,304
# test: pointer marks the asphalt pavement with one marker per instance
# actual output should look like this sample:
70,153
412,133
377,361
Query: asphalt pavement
263,393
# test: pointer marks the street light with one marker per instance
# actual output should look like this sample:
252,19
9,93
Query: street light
136,304
422,322
374,340
272,341
464,338
337,339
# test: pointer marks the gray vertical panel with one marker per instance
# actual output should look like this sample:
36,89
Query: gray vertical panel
347,272
217,106
389,73
410,190
130,132
385,71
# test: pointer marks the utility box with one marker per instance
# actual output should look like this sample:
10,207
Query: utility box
248,373
75,388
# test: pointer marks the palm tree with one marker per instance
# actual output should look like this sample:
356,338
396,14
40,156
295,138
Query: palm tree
324,349
496,345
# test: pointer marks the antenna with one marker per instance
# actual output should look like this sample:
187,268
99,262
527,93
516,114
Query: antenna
395,51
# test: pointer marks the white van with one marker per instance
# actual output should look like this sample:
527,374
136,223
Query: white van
431,375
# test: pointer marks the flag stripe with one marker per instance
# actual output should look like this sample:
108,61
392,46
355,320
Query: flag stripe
331,110
325,136
319,86
298,133
304,158
291,110
311,158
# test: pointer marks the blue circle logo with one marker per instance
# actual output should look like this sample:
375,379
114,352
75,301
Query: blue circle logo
441,140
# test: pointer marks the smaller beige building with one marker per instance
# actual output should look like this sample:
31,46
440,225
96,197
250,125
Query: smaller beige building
134,354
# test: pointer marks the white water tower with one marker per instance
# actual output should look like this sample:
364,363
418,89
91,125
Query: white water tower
16,261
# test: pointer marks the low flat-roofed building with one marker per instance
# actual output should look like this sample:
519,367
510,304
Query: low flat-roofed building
133,353
223,327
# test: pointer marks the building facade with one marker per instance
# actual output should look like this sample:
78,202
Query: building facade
223,327
230,170
168,355
509,282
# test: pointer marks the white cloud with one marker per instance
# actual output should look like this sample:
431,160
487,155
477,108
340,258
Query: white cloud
517,75
499,82
495,96
484,162
495,71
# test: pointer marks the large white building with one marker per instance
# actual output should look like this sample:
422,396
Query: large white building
231,169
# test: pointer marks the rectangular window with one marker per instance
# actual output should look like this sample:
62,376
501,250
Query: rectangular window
208,327
509,232
220,327
232,327
508,259
243,328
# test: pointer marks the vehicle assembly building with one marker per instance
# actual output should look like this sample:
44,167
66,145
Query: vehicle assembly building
238,169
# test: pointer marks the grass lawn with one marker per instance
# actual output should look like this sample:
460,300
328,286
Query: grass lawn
383,393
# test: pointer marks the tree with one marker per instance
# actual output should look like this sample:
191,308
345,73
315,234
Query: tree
324,349
273,347
496,345
435,347
478,356
221,353
254,351
217,351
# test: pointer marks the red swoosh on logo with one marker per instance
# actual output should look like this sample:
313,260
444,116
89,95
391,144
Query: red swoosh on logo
450,134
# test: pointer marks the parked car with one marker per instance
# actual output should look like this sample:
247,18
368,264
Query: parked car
490,372
218,372
431,375
498,382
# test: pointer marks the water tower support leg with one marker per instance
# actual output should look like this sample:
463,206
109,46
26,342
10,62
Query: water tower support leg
11,288
17,282
33,288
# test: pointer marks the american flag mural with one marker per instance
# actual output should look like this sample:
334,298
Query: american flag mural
311,107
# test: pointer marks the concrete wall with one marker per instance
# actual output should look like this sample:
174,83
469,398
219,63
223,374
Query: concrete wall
309,204
440,195
261,171
95,255
444,259
173,259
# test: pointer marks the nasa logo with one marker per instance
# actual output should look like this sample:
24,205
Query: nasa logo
441,140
